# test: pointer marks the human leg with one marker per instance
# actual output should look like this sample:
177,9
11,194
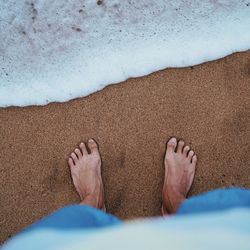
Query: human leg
85,167
180,163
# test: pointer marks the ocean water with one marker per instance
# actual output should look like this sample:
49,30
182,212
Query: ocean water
59,50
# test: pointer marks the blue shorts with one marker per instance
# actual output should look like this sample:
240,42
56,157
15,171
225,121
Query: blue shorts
80,217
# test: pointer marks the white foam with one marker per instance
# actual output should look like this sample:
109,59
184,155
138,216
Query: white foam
60,50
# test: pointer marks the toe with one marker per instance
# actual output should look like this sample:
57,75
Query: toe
194,160
185,150
83,148
171,145
74,157
70,162
180,146
78,153
190,155
93,147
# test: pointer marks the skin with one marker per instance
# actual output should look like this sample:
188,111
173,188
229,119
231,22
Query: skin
180,163
85,170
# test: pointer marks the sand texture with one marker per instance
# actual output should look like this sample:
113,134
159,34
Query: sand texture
206,105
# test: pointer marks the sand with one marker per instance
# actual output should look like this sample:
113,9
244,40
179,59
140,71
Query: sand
206,105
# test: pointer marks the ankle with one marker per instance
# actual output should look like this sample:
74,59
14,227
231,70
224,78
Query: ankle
90,200
172,201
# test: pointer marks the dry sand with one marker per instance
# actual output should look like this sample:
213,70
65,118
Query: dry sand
207,105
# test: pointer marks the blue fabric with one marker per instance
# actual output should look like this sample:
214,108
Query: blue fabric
74,217
76,223
85,217
217,200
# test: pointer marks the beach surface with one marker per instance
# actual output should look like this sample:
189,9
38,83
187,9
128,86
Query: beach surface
206,105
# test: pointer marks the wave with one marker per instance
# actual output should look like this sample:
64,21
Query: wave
59,50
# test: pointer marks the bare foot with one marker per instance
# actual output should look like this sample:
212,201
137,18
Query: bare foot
180,165
86,174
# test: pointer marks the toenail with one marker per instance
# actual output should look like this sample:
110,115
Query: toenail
172,141
91,140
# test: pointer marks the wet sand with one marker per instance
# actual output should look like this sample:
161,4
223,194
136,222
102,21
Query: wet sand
206,105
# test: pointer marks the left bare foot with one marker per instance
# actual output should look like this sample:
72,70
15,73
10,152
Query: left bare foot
86,174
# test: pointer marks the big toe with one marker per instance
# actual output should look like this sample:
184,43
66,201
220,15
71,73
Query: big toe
171,145
93,147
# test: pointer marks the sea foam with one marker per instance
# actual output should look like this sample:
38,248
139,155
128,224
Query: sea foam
60,50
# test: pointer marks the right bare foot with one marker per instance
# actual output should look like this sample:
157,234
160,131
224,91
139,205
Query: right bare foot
180,163
86,174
